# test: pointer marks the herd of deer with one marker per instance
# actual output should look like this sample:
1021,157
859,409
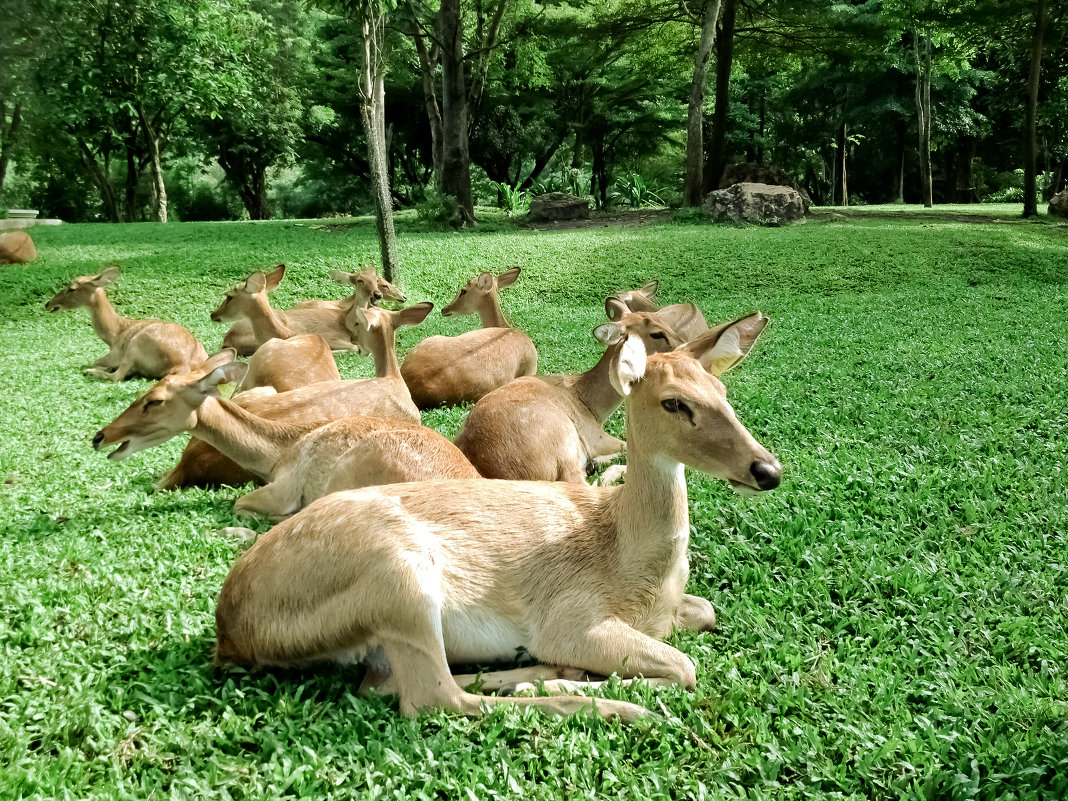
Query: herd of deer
408,553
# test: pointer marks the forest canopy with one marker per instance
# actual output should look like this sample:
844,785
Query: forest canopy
128,110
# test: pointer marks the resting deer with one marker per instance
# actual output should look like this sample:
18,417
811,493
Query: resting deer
446,371
386,396
285,364
368,289
685,318
412,577
147,348
255,321
550,428
300,464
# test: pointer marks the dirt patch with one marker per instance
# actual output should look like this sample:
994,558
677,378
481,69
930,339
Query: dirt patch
605,220
826,215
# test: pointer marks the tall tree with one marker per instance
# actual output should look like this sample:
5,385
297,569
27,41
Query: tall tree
1030,147
455,151
369,19
693,193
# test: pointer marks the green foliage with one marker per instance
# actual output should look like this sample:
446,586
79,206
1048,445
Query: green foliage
893,619
511,198
631,190
438,210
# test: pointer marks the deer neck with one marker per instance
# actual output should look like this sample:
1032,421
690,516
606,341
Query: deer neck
107,322
653,518
491,314
595,389
268,323
253,442
384,352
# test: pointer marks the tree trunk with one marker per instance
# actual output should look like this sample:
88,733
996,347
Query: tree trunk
456,157
923,113
159,188
724,59
599,177
428,60
899,189
132,177
840,165
964,191
102,179
372,93
1030,208
7,139
695,145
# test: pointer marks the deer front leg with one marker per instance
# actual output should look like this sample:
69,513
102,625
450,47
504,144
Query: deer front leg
612,646
695,614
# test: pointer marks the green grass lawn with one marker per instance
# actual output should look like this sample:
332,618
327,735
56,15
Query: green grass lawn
894,618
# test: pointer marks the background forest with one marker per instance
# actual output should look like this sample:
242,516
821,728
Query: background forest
127,110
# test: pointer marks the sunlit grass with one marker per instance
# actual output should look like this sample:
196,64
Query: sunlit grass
894,618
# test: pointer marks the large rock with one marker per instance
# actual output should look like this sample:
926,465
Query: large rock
558,206
1058,204
759,204
16,247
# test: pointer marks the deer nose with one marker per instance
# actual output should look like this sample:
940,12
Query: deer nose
767,475
98,439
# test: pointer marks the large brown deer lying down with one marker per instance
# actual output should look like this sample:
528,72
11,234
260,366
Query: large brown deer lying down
255,321
411,577
147,348
301,465
368,289
285,364
550,428
446,371
685,318
386,396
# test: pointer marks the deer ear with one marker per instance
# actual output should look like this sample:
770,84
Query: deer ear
486,281
609,333
340,277
615,308
106,278
360,317
628,366
224,356
224,374
257,282
275,276
508,277
413,315
723,347
650,289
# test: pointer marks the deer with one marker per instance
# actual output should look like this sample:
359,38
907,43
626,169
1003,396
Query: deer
369,288
410,578
300,463
285,364
447,371
685,318
386,395
255,321
550,428
147,348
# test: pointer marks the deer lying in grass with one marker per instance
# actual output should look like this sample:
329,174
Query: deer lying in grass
255,321
550,428
685,318
411,577
446,371
147,348
285,364
300,464
369,288
386,396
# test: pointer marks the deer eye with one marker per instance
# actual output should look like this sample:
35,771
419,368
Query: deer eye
463,292
153,402
658,335
675,406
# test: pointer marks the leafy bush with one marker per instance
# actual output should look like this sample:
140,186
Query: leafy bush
573,181
511,198
438,210
631,190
